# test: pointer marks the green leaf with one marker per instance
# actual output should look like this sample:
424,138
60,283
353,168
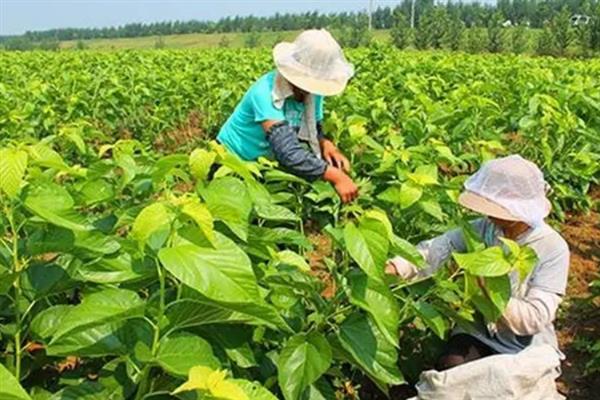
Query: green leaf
13,164
274,212
409,194
54,204
97,191
523,259
187,313
254,390
406,250
10,389
223,273
235,341
303,359
376,298
95,242
487,262
432,318
433,208
43,155
368,246
228,201
200,162
492,305
152,219
200,214
180,352
100,308
289,257
47,321
111,339
424,175
119,268
369,350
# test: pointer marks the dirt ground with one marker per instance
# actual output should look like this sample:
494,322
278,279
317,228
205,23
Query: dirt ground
579,318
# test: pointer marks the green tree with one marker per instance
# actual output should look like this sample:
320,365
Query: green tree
595,29
519,39
495,33
545,41
252,39
401,32
454,35
562,31
475,40
432,28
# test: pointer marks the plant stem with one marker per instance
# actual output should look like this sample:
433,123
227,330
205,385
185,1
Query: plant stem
17,285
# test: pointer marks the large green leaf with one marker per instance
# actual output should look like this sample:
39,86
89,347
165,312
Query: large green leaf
45,323
119,268
369,350
95,242
493,301
111,339
254,390
303,359
180,352
54,204
100,308
200,214
376,298
10,389
13,164
200,162
228,201
487,262
432,318
274,212
41,280
523,259
234,340
153,219
187,313
368,246
406,250
223,273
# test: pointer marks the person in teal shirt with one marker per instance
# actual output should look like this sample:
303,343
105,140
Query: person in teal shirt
281,115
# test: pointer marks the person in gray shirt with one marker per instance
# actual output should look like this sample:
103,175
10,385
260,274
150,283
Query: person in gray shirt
511,193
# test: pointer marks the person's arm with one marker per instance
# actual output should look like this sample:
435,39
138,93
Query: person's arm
529,315
301,162
331,153
435,252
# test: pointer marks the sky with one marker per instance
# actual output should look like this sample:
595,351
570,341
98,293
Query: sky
19,16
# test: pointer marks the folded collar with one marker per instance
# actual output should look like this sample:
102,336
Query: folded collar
281,91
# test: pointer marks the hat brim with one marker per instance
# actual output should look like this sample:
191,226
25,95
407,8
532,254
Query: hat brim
484,206
283,51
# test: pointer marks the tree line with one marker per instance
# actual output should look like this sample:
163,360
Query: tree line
559,35
471,14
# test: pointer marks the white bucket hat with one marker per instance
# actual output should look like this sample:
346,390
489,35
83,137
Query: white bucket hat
509,188
314,62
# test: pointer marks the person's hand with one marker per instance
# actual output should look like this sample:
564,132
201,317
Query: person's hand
401,267
333,156
344,186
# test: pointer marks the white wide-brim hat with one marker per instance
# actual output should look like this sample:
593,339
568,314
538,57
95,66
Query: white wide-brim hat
314,62
510,188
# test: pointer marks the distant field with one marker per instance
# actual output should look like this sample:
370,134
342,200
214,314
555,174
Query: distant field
193,40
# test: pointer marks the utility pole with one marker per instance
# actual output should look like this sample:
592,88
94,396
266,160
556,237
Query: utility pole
412,14
370,14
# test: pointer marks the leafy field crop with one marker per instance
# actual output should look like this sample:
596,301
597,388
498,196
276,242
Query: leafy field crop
120,253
